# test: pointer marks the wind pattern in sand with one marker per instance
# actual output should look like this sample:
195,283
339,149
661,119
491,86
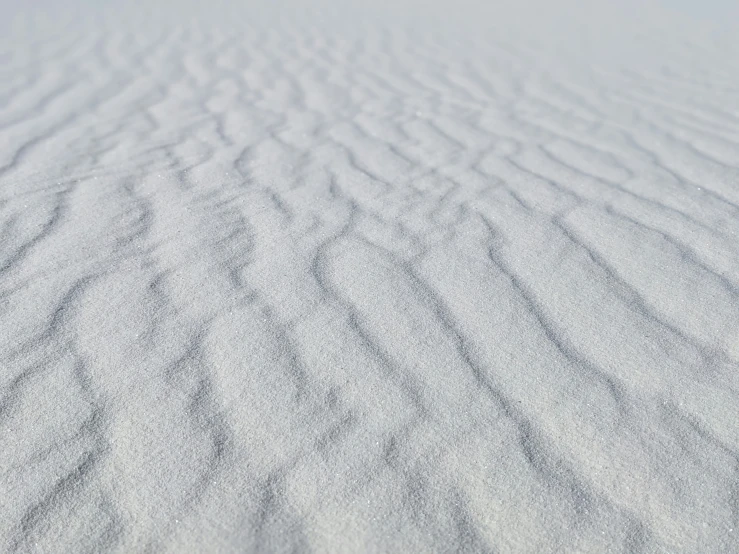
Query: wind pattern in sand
382,289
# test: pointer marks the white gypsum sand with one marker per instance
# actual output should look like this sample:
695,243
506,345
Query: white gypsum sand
369,278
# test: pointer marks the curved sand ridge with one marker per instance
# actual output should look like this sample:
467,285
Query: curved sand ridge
376,286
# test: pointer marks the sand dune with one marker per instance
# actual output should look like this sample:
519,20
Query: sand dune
380,278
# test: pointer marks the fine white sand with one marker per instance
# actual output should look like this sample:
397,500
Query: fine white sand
369,277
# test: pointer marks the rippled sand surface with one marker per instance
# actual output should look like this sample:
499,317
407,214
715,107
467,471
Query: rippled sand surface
368,278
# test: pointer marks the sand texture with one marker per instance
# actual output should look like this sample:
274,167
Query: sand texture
368,278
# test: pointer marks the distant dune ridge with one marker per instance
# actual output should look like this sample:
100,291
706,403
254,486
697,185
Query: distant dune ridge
369,277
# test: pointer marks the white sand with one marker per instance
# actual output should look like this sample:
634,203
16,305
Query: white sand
369,278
